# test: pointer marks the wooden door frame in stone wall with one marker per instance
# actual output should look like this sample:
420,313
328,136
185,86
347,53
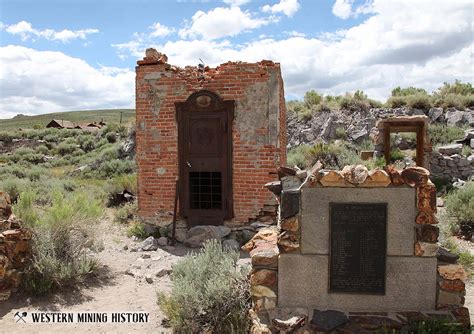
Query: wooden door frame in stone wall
417,127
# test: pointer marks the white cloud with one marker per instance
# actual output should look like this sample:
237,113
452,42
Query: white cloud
35,82
342,8
160,30
220,22
295,33
236,2
403,43
287,7
26,31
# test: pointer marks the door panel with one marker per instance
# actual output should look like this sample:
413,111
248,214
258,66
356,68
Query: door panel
205,146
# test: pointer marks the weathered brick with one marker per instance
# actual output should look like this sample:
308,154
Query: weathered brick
254,161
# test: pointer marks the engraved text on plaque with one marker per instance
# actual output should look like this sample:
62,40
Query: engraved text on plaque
358,247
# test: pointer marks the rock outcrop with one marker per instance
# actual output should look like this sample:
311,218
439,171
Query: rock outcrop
356,126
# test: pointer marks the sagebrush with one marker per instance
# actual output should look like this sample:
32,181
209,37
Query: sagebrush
210,293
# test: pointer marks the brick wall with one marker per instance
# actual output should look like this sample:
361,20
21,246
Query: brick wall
259,129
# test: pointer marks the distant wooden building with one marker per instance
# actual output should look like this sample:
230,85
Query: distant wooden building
61,124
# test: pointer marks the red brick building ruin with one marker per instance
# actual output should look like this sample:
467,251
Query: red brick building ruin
221,131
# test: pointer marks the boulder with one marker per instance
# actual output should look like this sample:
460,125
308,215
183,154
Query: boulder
359,135
198,235
265,257
450,149
415,176
452,272
149,244
455,118
469,118
435,114
231,244
162,241
264,277
355,174
328,320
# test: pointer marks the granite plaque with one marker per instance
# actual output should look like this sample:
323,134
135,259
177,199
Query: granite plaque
358,247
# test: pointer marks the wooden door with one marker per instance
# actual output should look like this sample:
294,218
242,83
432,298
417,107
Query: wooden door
205,158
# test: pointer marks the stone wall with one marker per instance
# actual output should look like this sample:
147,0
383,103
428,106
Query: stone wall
259,129
448,163
421,279
14,248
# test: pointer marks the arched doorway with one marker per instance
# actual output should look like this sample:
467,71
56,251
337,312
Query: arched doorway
205,158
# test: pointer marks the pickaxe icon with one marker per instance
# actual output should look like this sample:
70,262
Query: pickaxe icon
20,316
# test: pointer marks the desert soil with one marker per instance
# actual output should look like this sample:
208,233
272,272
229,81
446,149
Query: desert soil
112,290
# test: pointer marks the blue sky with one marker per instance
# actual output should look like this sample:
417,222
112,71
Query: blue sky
81,54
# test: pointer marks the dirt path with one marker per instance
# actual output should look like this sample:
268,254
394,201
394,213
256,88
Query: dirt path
112,290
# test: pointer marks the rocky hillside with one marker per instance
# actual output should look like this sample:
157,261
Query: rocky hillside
355,126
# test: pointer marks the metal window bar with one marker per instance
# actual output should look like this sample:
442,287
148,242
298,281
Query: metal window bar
205,190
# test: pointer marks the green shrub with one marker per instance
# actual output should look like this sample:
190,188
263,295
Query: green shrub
24,208
312,98
13,170
111,137
331,156
443,135
366,145
26,154
109,152
297,156
419,101
375,103
466,150
460,206
396,154
356,102
120,129
66,148
116,167
457,87
137,229
450,101
396,102
123,182
60,237
88,145
398,91
341,133
326,107
431,326
210,293
125,213
302,111
468,101
13,186
42,149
